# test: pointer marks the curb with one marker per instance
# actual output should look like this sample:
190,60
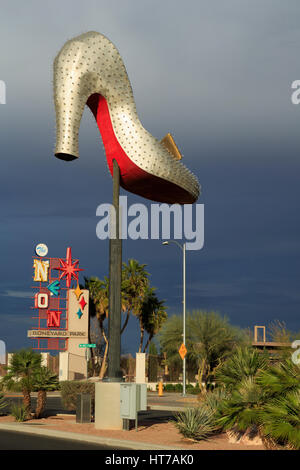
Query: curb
166,408
119,443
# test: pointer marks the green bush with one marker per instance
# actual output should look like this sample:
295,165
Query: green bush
169,388
196,423
19,412
193,390
70,390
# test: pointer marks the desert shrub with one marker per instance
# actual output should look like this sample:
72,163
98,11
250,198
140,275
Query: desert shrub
178,388
19,412
193,390
169,388
70,390
196,423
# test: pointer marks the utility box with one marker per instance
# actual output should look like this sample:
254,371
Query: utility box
133,398
83,408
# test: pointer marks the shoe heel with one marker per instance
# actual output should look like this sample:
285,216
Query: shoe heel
72,87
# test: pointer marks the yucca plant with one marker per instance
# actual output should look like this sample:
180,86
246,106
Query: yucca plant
44,381
196,423
281,420
212,401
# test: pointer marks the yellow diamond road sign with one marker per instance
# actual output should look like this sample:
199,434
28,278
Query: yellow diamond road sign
182,351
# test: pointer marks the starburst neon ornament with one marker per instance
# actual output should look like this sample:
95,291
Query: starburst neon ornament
78,291
68,269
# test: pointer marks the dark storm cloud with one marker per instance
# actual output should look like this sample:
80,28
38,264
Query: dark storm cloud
217,75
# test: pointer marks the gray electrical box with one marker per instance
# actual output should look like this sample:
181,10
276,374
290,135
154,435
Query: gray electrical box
133,399
83,408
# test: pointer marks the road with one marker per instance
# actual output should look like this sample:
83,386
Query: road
55,406
10,440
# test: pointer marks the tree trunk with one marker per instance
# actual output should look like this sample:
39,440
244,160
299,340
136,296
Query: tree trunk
148,342
201,371
142,336
27,401
103,365
41,403
126,321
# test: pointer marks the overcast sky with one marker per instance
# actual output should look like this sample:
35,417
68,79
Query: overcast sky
218,76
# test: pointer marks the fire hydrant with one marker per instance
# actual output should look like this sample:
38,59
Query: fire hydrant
160,389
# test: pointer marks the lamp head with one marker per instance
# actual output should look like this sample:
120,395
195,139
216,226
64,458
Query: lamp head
165,243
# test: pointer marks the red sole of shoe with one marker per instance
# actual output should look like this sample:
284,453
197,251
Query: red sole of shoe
133,178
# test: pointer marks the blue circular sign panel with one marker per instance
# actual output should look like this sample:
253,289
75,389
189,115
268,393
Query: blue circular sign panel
41,249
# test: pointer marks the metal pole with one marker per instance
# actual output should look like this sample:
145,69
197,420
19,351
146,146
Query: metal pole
114,373
184,360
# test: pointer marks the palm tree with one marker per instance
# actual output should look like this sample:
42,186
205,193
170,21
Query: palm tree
22,368
241,411
245,362
44,381
135,283
281,378
99,303
280,420
153,316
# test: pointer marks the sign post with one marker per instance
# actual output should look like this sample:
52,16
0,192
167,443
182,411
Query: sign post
87,347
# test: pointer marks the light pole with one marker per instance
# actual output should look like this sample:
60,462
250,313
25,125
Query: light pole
182,247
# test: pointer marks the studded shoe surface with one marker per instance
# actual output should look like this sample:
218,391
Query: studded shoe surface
89,70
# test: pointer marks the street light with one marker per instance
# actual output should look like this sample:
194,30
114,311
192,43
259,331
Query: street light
182,247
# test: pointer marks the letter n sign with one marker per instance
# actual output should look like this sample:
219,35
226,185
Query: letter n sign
53,320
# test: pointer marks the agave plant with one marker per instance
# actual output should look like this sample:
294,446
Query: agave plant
196,423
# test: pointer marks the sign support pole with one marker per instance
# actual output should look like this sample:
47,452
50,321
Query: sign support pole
115,273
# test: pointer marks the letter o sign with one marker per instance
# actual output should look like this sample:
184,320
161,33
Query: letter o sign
41,300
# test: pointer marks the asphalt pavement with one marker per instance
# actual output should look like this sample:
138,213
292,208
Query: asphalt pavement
10,440
158,407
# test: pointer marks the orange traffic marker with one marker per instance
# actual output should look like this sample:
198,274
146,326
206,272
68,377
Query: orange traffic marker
160,389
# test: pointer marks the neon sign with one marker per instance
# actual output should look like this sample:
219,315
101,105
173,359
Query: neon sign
53,278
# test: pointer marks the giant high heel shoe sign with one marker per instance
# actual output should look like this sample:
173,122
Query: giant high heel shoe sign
89,70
